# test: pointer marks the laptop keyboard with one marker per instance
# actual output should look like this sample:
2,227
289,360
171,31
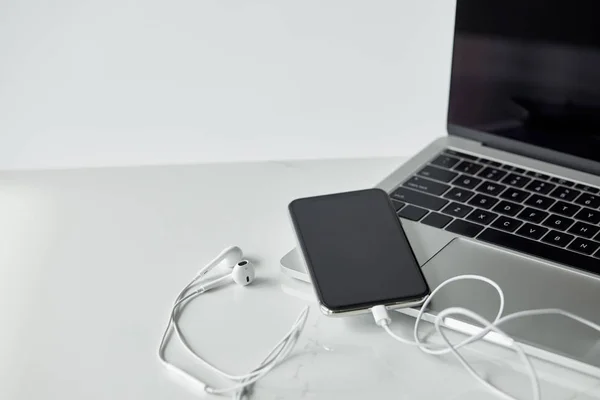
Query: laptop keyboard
508,206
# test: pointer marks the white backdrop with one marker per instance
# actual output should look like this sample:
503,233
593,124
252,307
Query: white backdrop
122,82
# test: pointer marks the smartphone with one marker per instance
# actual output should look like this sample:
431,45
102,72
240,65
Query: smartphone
356,252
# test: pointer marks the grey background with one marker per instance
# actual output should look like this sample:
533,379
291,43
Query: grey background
113,82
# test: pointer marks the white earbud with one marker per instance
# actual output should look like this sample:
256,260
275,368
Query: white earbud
230,257
243,274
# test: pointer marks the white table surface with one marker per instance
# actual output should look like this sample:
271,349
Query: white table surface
90,261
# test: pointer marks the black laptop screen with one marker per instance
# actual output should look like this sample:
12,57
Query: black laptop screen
529,70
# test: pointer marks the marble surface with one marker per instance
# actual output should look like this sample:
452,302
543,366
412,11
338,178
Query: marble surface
90,261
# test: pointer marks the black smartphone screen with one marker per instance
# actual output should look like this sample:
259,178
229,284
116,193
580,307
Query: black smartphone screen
356,250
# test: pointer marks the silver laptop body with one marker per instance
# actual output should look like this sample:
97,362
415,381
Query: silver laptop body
524,101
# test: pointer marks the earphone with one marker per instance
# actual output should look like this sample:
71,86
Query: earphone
242,273
229,257
383,320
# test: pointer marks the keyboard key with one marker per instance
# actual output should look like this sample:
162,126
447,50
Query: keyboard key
464,228
492,174
587,188
583,229
418,198
557,238
445,161
495,164
562,208
458,194
562,182
411,212
482,217
588,215
492,188
532,231
584,246
397,204
541,250
533,215
558,222
483,201
436,220
564,193
506,224
484,161
426,185
516,180
540,201
588,200
537,175
507,208
514,195
461,155
468,167
466,181
519,170
540,187
437,173
457,210
508,167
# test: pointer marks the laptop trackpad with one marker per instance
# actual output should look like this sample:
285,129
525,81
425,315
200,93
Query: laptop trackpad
527,284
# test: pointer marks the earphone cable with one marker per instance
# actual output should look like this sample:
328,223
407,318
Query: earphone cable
288,346
276,355
382,319
183,298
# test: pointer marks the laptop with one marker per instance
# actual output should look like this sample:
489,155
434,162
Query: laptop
512,192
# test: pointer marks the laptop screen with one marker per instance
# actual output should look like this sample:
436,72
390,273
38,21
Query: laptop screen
529,70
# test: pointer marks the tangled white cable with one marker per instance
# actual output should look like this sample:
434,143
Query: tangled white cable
277,354
382,319
243,273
